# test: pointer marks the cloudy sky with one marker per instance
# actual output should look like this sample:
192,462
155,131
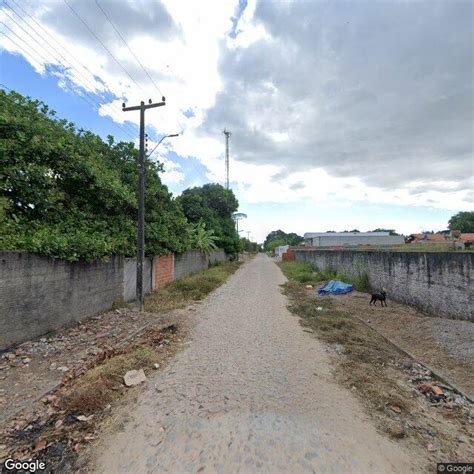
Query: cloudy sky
354,114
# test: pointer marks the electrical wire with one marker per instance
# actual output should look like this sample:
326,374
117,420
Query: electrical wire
128,47
44,61
75,61
26,53
103,45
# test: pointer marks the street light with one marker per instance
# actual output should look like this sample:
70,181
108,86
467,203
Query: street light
161,139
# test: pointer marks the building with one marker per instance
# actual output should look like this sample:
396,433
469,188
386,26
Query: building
279,251
428,237
351,239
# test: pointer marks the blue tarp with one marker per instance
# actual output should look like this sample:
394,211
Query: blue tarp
334,287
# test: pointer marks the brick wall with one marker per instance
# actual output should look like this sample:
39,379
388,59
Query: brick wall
163,270
288,256
439,283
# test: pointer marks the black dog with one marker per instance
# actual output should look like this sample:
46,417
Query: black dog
379,297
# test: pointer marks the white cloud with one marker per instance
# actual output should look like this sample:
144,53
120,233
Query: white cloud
326,101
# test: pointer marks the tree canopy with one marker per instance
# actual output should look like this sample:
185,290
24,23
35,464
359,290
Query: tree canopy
463,221
67,193
278,237
213,205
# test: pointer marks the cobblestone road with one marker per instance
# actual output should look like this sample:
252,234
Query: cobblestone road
252,392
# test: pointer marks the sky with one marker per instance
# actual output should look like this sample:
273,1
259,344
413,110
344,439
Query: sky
343,114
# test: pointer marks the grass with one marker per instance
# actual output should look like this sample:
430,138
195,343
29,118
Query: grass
301,272
194,287
104,383
304,272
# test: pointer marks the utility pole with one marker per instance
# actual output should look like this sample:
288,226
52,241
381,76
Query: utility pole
141,194
227,136
248,235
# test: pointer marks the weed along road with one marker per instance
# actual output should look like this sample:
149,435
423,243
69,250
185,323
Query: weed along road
252,392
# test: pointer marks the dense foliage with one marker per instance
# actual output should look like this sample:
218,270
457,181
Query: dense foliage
202,238
213,205
278,237
463,221
247,245
67,193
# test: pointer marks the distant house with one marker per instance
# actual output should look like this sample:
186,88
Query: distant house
467,239
427,237
351,239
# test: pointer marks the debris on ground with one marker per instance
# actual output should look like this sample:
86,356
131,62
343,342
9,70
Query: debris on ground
134,377
68,382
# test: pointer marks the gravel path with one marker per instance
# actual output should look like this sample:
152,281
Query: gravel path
252,392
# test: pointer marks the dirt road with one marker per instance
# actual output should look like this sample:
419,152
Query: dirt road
252,392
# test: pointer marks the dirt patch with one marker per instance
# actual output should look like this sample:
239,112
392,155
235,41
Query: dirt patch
66,420
386,384
444,344
36,367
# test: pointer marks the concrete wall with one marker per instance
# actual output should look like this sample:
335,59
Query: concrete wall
194,261
39,294
189,262
439,283
130,278
218,256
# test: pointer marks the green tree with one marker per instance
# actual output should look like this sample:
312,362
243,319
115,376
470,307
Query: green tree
463,221
247,245
64,192
278,237
213,205
390,231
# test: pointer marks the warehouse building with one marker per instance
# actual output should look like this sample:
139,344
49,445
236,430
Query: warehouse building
351,239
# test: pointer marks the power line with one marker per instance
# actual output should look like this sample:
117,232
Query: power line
19,47
103,45
75,61
45,61
128,47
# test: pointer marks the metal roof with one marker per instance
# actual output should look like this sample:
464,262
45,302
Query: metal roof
310,235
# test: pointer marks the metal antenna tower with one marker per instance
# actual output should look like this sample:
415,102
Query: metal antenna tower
227,136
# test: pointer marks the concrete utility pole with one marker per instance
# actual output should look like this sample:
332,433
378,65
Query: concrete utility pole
227,136
248,235
141,194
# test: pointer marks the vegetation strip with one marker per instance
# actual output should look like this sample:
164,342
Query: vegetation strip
189,289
